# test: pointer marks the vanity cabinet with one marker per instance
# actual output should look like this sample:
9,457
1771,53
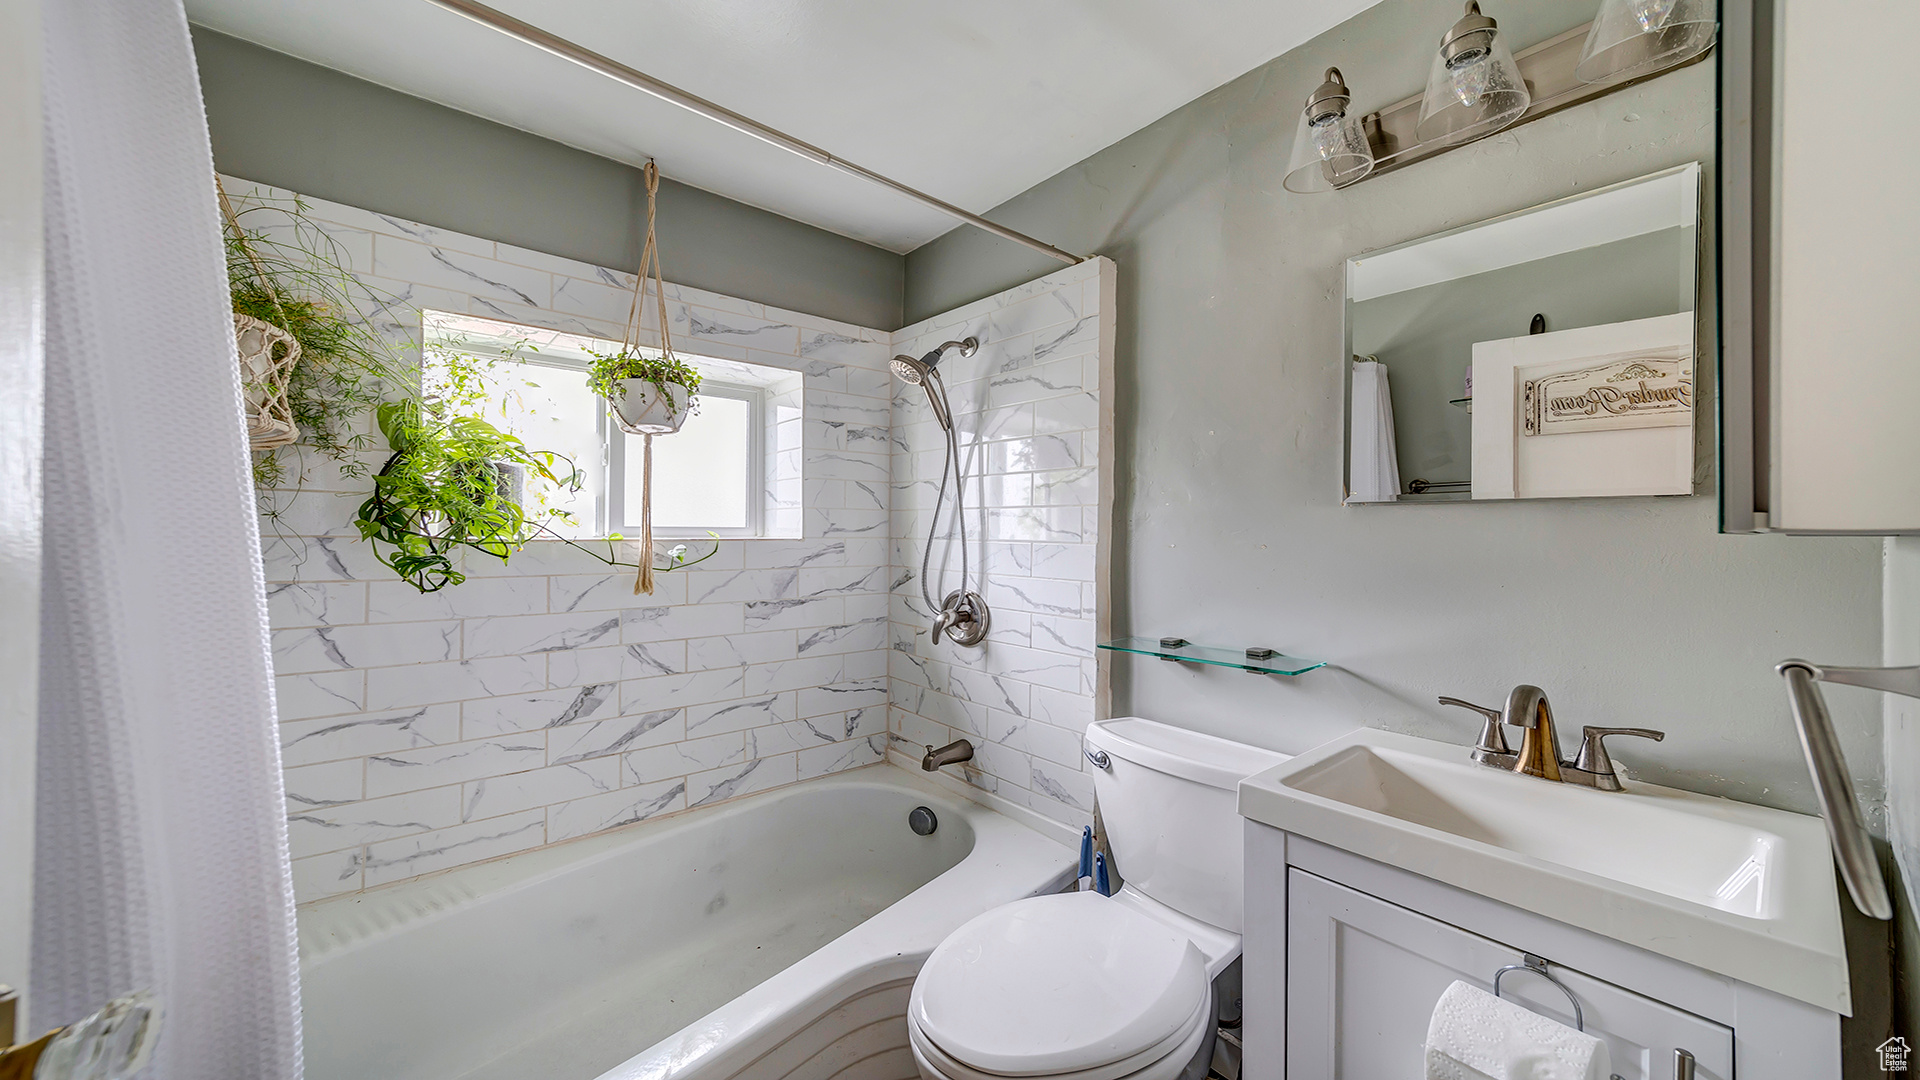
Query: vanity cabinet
1345,958
1363,974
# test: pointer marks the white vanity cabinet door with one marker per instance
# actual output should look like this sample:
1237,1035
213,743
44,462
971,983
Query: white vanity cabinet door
1363,976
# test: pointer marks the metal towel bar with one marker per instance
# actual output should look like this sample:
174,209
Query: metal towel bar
1535,965
1832,784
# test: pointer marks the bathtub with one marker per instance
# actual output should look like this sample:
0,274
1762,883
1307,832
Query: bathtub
774,937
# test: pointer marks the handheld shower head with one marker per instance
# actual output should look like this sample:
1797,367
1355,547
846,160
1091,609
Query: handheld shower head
916,372
925,373
910,371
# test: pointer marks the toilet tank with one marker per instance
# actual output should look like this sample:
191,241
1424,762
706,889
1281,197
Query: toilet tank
1168,801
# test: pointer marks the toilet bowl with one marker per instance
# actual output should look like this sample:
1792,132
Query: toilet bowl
1079,986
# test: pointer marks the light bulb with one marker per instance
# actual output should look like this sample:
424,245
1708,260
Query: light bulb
1327,136
1471,74
1652,14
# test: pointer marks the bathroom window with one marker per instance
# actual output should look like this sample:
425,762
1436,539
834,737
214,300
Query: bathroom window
733,469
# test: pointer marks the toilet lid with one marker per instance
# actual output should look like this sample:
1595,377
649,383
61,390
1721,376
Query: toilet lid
1057,984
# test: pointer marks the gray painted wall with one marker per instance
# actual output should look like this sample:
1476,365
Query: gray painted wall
1629,611
296,125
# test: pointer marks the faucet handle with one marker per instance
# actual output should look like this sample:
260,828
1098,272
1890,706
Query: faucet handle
1492,747
1593,749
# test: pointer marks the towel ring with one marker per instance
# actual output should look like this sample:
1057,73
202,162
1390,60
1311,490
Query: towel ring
1537,966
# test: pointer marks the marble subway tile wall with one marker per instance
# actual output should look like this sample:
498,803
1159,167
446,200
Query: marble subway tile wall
1033,437
541,700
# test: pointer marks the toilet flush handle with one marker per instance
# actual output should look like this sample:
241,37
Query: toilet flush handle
1099,759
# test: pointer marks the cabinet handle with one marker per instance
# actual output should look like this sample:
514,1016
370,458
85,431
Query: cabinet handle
1682,1065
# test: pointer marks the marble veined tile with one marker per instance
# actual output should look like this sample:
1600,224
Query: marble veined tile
459,271
740,650
420,684
733,781
304,742
432,766
313,831
597,813
740,714
578,742
496,795
316,603
394,860
323,694
839,757
332,648
701,325
488,717
656,763
514,635
332,783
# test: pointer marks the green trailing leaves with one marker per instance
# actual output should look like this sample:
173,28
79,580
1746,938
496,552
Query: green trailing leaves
453,482
609,369
293,275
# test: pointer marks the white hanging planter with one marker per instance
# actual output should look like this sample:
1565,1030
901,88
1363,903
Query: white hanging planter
643,409
267,357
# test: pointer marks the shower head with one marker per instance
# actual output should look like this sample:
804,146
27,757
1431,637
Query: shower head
915,372
910,371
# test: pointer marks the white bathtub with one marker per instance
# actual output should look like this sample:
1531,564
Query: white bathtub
769,938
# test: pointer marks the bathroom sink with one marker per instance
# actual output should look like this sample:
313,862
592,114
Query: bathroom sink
1737,889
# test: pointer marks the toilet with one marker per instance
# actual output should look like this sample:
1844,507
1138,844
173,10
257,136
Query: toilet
1079,986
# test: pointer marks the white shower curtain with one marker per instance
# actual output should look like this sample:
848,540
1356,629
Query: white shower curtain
161,840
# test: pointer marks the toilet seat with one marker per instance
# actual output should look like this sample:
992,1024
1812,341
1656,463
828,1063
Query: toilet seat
1165,1059
1073,986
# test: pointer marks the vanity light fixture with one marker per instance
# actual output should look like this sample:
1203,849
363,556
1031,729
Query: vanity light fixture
1474,87
1330,148
1631,38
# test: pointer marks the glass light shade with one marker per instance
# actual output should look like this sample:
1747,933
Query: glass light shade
1637,37
1328,155
1479,92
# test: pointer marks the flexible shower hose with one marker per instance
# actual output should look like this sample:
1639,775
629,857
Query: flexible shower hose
949,465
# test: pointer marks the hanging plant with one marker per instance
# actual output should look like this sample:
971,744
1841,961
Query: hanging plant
313,365
649,394
452,482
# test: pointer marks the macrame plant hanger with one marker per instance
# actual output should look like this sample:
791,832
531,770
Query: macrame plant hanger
264,372
649,257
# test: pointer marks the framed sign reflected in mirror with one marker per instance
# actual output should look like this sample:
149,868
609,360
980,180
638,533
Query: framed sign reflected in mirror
1548,353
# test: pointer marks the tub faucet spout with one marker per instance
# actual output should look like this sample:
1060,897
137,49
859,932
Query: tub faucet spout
951,754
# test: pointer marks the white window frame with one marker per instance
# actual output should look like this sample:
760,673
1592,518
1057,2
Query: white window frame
755,494
561,350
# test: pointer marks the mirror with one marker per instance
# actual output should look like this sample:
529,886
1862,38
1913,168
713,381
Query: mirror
1548,353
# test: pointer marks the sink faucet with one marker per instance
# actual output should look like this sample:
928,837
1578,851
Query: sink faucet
953,753
1539,753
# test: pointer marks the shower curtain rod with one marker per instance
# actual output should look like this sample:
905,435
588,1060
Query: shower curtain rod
639,80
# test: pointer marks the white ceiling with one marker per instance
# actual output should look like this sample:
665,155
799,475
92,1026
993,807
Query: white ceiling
973,101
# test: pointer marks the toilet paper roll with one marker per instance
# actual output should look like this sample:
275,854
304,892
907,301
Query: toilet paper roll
1476,1036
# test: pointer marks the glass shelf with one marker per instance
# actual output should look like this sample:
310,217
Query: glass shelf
1277,664
1461,403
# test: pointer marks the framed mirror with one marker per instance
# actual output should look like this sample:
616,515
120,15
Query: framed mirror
1547,353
